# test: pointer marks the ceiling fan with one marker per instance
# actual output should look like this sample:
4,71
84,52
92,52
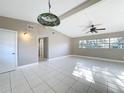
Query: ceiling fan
93,28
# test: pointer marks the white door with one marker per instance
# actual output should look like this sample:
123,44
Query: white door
8,51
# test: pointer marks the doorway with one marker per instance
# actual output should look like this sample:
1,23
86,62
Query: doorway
8,50
43,49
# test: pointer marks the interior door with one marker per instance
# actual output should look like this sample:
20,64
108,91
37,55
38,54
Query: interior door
8,51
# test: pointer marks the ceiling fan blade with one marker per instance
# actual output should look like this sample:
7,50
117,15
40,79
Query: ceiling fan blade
97,24
96,31
87,32
84,29
86,26
101,29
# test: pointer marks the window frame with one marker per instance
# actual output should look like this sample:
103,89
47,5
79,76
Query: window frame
97,42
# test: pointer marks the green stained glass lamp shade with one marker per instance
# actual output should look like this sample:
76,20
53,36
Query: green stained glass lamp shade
48,19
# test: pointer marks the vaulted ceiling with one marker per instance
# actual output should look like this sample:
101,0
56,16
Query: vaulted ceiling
29,9
109,13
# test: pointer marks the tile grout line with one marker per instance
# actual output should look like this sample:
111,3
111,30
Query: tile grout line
120,80
71,86
89,87
113,83
43,80
71,77
68,76
27,81
107,86
65,75
90,84
60,71
10,82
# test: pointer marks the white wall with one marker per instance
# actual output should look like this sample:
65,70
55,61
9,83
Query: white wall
117,54
59,44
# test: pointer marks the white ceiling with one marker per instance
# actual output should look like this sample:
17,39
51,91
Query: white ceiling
29,9
109,13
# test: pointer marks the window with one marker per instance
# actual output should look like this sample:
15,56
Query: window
117,42
81,43
87,44
91,44
103,43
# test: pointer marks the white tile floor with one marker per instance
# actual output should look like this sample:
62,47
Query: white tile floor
67,75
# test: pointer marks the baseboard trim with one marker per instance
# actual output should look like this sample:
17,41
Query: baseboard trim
35,63
97,58
27,65
51,59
